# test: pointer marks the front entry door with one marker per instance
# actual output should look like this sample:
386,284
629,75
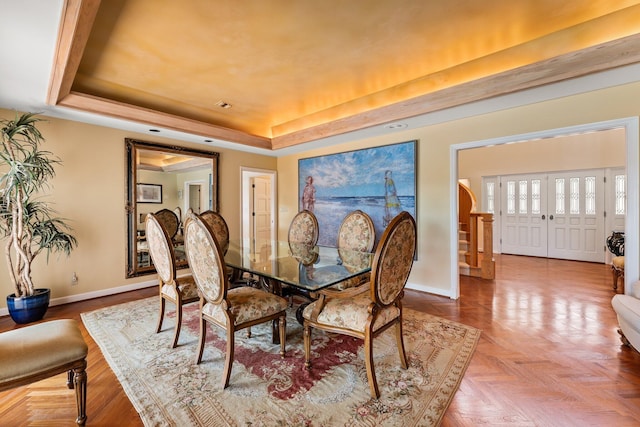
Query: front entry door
576,215
556,215
524,208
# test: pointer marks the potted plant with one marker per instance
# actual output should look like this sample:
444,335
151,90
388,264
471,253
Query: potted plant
26,221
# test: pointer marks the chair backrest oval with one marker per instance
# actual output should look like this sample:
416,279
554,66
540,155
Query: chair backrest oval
169,220
205,259
393,259
219,227
160,248
356,234
304,228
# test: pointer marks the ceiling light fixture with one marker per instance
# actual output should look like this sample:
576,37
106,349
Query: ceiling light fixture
223,104
395,126
154,130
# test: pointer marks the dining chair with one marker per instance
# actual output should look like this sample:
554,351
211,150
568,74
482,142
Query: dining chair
177,290
219,228
169,221
367,315
302,236
228,309
303,229
356,238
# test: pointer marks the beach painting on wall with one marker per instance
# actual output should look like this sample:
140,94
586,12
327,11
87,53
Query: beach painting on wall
380,181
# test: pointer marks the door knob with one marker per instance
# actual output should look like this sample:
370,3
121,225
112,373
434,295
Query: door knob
551,217
544,217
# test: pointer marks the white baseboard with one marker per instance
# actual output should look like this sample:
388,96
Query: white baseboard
95,294
429,289
149,283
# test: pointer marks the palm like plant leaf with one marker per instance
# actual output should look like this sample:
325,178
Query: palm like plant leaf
29,225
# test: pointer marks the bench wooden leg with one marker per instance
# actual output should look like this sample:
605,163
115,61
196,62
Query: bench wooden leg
80,385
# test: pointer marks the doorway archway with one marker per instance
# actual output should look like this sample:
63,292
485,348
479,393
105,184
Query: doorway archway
631,127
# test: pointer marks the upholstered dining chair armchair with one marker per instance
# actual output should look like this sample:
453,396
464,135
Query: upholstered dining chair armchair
228,309
368,314
356,237
177,290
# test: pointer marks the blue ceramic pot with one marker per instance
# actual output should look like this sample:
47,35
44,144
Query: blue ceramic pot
30,308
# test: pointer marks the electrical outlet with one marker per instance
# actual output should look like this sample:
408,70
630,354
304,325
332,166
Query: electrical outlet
74,279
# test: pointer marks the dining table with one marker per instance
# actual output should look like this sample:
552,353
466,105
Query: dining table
297,267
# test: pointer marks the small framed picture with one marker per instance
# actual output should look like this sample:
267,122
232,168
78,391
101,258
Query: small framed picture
149,193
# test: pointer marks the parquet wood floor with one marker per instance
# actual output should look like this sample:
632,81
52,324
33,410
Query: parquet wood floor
549,354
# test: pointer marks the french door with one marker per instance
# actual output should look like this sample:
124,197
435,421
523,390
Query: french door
576,217
556,215
524,215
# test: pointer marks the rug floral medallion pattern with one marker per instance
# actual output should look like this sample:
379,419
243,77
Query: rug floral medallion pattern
168,389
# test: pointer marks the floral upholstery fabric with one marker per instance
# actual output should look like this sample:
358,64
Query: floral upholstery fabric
356,238
159,249
219,227
304,253
351,313
186,286
351,283
204,260
396,261
304,229
247,304
356,232
169,221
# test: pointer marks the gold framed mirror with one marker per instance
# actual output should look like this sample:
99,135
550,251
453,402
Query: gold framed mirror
169,179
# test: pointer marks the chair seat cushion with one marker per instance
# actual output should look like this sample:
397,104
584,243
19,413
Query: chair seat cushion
351,313
186,286
618,262
247,304
38,348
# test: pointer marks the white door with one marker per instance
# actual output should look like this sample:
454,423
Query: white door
261,208
576,215
523,215
194,197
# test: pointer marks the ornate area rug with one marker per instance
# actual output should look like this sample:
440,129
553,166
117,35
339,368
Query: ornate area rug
168,389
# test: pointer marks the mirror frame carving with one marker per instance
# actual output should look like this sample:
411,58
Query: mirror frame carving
131,147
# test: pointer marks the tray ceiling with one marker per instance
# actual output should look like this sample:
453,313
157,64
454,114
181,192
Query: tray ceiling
277,73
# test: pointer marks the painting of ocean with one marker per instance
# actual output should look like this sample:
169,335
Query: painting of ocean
380,181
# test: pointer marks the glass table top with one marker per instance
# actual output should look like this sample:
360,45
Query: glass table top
308,268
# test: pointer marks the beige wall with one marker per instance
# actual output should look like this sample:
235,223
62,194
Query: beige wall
432,271
89,190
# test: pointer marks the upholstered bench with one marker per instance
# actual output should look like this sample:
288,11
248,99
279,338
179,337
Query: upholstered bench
39,351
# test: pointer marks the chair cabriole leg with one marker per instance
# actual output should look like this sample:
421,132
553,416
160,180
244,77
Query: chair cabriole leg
307,346
203,336
371,372
400,343
176,334
161,318
283,334
228,364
